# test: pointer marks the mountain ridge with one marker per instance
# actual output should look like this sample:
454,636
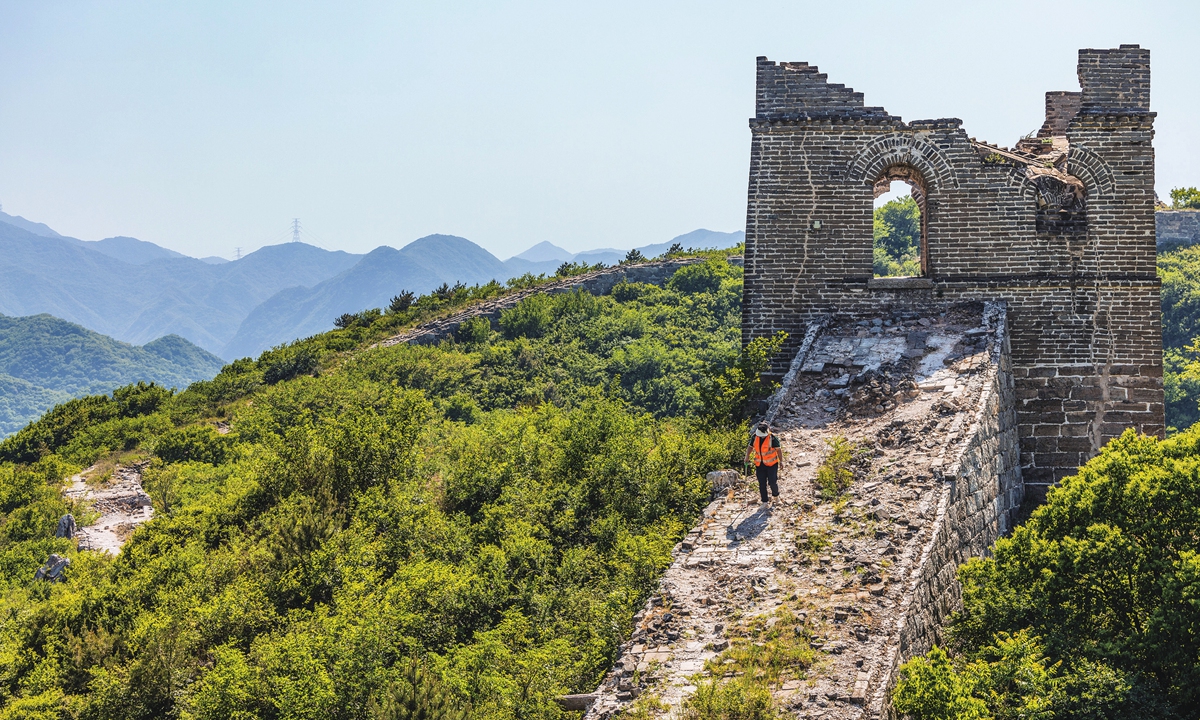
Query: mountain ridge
46,360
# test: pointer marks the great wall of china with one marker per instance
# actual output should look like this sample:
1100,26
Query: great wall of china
1030,338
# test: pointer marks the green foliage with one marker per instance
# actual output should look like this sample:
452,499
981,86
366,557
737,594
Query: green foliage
633,256
474,330
361,319
1185,198
45,361
897,233
929,688
1088,609
705,277
530,318
287,362
498,507
198,443
401,302
738,699
571,269
416,695
843,460
729,395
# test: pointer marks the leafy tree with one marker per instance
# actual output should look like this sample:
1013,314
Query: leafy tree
729,394
198,443
633,256
474,330
1185,198
897,233
1086,610
929,688
285,363
344,320
416,695
702,277
401,302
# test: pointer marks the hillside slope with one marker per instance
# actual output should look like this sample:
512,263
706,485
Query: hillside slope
494,508
45,361
419,267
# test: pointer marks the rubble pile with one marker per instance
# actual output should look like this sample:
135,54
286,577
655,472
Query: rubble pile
822,582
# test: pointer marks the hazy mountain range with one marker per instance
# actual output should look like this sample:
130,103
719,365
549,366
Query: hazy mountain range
45,361
136,291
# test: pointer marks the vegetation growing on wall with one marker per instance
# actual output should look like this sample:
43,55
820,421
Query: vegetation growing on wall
468,526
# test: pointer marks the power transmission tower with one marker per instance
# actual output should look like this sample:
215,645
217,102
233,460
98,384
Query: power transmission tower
295,229
238,251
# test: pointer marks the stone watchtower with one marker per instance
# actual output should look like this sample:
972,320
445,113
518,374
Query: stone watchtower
1061,227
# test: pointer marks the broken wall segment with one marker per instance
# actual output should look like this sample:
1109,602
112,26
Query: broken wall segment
981,495
1175,229
1060,227
595,282
872,574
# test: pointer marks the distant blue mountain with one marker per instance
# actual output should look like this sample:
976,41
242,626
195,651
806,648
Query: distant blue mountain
136,291
140,298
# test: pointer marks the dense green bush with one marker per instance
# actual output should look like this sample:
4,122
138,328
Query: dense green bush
1102,580
496,507
286,363
197,443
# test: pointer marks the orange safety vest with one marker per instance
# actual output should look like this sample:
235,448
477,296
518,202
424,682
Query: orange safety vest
764,452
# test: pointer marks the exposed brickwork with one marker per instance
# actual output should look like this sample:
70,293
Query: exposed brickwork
1061,227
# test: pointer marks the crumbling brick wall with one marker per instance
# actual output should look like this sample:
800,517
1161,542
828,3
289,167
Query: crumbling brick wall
1061,227
1177,229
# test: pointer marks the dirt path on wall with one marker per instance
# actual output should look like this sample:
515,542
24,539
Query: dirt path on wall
121,502
744,561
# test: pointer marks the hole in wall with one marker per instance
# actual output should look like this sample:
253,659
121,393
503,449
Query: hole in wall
899,247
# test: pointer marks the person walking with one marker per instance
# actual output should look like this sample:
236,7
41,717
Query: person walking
764,449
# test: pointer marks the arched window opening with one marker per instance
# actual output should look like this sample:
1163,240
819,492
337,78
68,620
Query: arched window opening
899,228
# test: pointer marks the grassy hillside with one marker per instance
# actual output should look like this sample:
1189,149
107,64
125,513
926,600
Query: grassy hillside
495,507
45,361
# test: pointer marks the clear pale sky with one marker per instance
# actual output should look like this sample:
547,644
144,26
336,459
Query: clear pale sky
203,126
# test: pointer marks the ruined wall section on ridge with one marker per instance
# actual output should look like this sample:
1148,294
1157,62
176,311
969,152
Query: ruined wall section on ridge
982,492
1077,272
931,396
1177,229
595,282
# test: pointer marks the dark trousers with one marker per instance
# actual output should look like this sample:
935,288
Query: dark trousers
767,475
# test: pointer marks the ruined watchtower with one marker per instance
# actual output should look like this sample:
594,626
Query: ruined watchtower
1061,227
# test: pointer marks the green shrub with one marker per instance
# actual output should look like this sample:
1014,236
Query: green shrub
530,318
843,460
739,699
198,443
475,330
416,695
929,688
287,363
1185,198
704,277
